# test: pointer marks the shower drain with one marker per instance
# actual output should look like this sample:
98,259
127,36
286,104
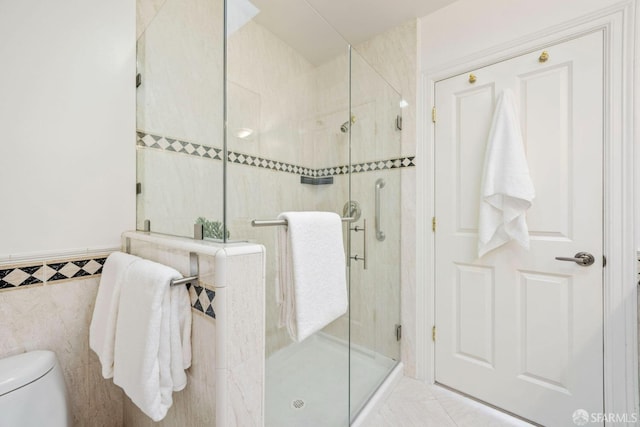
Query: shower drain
297,404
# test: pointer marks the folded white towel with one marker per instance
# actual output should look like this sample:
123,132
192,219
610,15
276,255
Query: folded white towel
507,189
102,332
152,330
312,286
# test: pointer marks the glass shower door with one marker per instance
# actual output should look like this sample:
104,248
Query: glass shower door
375,237
286,102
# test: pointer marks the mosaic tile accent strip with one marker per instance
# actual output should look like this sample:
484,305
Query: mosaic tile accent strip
250,160
401,162
202,299
73,269
21,276
147,140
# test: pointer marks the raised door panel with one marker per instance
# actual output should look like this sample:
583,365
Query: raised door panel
545,115
473,111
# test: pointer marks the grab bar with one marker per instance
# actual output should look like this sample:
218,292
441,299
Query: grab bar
379,233
273,222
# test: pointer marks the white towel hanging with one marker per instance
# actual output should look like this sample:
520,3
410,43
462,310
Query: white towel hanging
102,332
507,189
312,287
153,327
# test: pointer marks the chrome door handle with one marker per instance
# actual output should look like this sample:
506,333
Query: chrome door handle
584,259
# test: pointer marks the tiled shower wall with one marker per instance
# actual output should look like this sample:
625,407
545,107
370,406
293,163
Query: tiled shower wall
296,109
394,56
179,57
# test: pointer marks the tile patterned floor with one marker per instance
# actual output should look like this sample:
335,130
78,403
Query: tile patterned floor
415,404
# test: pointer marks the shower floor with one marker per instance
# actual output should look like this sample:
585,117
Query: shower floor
307,383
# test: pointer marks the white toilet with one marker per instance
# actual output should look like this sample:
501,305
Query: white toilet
32,391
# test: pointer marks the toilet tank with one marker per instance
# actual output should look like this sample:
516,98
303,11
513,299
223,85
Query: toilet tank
32,391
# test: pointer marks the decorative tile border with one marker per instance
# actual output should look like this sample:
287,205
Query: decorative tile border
74,269
250,160
147,140
401,162
43,272
202,299
14,277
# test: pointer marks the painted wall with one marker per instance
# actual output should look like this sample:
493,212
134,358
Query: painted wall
67,174
67,112
467,26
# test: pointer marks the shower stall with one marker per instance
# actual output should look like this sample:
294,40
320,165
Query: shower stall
247,109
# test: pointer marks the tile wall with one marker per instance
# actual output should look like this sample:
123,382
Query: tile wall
263,166
47,305
295,108
179,59
394,55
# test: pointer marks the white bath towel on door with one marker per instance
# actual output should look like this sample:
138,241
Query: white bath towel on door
312,286
507,189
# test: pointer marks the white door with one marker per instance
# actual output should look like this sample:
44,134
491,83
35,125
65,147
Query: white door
517,328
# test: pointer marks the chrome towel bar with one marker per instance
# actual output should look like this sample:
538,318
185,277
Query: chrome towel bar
272,222
193,266
184,280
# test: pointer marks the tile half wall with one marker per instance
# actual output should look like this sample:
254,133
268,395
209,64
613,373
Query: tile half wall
27,275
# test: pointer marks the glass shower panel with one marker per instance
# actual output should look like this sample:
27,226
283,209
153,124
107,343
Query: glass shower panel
287,91
179,115
375,186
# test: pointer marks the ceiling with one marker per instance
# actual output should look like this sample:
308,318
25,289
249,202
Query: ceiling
321,31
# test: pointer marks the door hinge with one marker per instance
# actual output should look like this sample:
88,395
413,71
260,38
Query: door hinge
433,333
433,114
398,122
433,224
138,188
398,332
604,261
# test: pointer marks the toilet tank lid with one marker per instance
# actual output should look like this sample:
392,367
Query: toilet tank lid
21,369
